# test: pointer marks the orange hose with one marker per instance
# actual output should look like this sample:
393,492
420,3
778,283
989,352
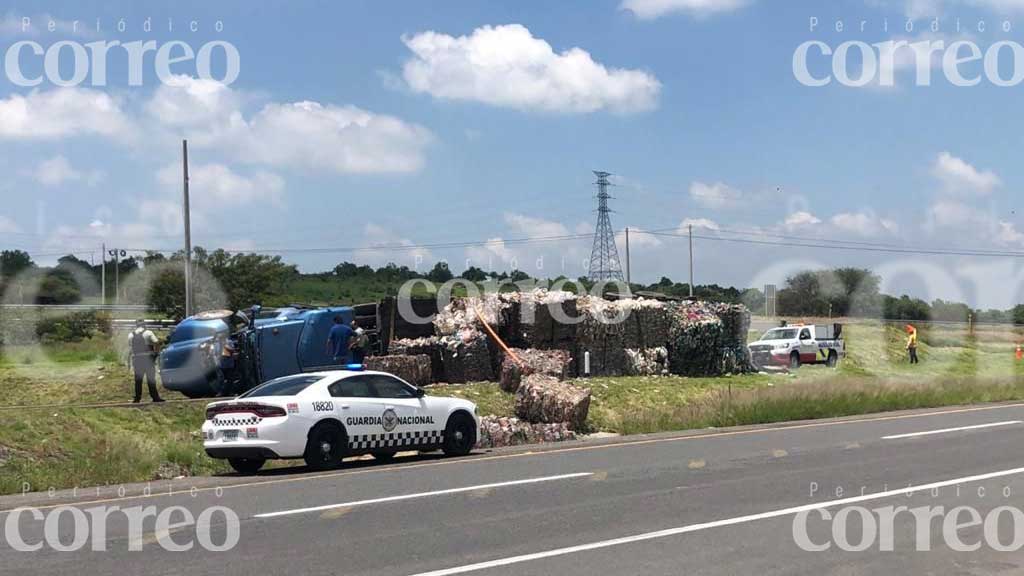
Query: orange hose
496,337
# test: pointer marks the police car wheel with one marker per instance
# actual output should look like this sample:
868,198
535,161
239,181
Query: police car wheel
384,456
246,465
794,361
459,435
326,447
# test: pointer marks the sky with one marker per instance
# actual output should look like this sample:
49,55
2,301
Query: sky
386,131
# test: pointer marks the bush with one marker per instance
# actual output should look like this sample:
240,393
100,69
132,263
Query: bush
73,327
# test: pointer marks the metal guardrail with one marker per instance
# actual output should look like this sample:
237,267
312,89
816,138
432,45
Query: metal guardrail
102,307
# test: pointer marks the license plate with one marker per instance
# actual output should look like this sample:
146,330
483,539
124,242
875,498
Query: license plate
230,435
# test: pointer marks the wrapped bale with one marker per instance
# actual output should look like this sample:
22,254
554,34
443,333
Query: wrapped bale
546,318
548,362
601,333
414,369
696,341
646,361
545,399
466,357
499,431
429,346
735,328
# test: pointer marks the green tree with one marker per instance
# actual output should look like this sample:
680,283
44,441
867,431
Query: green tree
440,273
14,262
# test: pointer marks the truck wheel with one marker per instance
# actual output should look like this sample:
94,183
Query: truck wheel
459,435
794,361
247,465
326,447
832,360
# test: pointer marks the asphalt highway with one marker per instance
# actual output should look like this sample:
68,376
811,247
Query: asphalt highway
706,502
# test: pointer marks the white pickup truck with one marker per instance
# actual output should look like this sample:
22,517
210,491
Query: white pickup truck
794,345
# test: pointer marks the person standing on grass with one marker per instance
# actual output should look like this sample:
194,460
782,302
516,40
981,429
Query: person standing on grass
142,343
359,342
340,341
912,343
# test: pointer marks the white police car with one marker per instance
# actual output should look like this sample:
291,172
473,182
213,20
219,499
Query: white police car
324,417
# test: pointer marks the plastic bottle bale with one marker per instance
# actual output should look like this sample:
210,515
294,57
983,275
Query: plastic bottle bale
695,348
545,399
466,357
548,362
414,369
430,346
496,431
646,361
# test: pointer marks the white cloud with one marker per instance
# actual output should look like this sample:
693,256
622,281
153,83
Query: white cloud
650,9
638,238
507,66
864,223
1008,234
699,224
530,227
215,186
958,215
801,219
58,170
47,115
311,135
189,102
957,175
716,196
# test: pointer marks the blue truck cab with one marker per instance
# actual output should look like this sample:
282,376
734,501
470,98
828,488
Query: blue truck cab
209,354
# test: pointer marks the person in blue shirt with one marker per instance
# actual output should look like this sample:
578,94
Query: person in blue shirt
339,341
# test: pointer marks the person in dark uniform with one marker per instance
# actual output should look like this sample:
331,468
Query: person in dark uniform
142,343
339,341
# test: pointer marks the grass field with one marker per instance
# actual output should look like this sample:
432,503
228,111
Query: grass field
60,447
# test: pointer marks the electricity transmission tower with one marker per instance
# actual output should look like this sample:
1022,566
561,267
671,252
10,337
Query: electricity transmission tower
604,258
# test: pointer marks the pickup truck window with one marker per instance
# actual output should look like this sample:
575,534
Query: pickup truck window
779,334
805,334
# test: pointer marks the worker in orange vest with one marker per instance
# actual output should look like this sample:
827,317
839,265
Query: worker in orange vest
1019,354
912,343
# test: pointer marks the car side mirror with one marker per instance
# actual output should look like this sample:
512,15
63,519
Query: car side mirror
420,392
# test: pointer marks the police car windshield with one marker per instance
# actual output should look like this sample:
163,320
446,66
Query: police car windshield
779,335
286,386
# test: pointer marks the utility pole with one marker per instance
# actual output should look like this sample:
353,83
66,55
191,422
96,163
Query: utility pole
103,274
628,279
690,227
188,233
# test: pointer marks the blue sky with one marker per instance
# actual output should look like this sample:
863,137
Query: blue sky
369,124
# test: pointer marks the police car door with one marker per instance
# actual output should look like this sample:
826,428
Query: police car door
355,405
404,417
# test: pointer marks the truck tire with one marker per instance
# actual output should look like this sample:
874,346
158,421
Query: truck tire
794,361
833,359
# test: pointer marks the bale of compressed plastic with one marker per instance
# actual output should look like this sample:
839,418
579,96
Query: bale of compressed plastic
546,318
414,369
466,357
548,362
462,313
545,399
497,431
646,361
428,346
646,323
696,341
600,337
735,329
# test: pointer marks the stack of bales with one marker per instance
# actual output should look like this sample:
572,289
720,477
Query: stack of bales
735,328
601,335
414,369
428,346
545,399
696,341
548,362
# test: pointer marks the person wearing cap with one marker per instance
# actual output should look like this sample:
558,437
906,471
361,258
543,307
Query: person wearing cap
360,340
912,343
142,343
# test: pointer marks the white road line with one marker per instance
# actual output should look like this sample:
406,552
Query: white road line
424,494
944,430
716,524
